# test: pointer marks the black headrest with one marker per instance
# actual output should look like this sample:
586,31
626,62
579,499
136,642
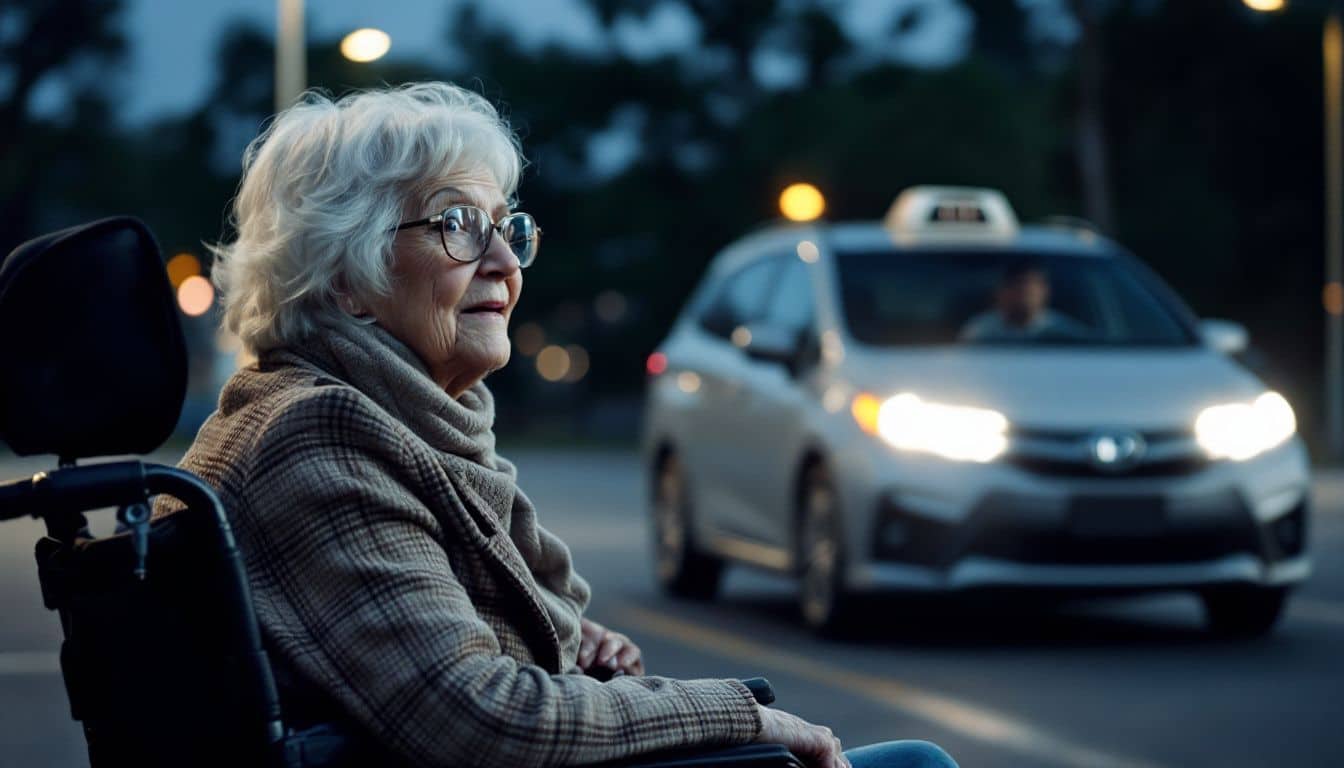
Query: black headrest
92,361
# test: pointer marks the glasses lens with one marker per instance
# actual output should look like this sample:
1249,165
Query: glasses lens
466,232
520,232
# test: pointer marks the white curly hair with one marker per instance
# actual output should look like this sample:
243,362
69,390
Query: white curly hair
323,186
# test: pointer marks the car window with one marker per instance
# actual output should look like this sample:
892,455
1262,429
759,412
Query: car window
1002,297
791,302
740,299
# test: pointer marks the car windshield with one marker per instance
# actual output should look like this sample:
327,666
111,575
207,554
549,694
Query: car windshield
939,297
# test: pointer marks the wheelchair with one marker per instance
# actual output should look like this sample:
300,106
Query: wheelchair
163,660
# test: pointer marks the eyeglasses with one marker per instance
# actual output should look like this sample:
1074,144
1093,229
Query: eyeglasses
466,230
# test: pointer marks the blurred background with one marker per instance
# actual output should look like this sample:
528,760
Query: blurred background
659,130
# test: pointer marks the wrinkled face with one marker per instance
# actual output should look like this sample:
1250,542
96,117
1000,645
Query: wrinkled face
1023,298
454,315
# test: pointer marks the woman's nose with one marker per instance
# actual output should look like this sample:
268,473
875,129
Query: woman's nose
499,260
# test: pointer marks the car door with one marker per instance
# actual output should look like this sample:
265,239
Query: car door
722,374
771,425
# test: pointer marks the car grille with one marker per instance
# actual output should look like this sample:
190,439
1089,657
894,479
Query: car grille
1119,530
1060,453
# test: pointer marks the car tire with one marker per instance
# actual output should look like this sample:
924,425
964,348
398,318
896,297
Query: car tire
826,604
1243,611
682,569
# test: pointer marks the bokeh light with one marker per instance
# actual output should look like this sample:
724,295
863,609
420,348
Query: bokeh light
182,266
529,338
553,363
610,307
1265,5
195,295
578,363
741,336
656,364
801,202
365,45
688,382
1333,298
807,251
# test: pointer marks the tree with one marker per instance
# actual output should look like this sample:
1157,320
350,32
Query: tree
74,43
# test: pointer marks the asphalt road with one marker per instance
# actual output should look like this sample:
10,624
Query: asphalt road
1102,683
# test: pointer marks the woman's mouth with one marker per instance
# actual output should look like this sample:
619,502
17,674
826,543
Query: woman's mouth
487,308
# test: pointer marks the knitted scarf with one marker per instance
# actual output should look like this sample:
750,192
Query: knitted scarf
371,360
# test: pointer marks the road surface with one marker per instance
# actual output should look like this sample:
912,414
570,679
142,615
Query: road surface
1103,683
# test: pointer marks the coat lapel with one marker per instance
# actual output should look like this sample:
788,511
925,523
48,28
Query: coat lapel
488,535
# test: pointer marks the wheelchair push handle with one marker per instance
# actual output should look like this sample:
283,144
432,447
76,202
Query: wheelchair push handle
14,498
73,489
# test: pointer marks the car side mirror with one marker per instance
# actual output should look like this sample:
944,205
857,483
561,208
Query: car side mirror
1225,336
771,344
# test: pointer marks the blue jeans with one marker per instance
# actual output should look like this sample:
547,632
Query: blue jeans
900,754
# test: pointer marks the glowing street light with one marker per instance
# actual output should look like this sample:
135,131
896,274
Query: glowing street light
553,363
195,295
182,266
365,45
1264,5
801,202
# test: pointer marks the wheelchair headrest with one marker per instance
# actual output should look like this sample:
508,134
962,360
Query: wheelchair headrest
94,363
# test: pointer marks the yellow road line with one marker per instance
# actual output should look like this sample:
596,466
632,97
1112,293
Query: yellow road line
966,719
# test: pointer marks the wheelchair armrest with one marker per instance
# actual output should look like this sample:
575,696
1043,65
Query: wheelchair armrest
328,746
747,755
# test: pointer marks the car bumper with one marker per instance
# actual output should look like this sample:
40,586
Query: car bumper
924,525
984,573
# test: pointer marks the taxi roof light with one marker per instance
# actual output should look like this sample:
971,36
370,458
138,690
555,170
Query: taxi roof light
927,212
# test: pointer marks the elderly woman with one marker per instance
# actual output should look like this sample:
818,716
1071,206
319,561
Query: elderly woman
402,579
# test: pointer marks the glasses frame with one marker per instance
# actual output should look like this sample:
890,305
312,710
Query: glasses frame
439,218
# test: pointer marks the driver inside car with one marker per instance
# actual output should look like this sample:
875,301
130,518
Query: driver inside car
1021,310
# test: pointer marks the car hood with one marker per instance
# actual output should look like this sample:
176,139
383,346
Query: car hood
1062,388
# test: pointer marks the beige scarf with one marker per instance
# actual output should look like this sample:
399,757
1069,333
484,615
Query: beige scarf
371,360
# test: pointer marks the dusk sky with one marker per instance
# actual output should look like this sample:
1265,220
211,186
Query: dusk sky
173,42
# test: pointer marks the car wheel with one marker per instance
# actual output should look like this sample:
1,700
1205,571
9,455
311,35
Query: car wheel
1243,611
825,603
683,571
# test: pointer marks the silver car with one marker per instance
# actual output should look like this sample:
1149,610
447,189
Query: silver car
947,400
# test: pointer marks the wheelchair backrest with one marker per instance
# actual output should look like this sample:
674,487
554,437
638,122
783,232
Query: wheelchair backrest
94,360
162,657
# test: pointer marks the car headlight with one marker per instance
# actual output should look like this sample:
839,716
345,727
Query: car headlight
956,432
1240,431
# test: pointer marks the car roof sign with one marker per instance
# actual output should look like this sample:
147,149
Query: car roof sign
950,213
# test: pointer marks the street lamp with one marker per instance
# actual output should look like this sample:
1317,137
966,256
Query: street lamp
1332,297
291,66
801,202
365,45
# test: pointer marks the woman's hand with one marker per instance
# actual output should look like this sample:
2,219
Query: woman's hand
814,744
601,647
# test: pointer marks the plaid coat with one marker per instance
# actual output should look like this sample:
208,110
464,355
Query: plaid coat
379,582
